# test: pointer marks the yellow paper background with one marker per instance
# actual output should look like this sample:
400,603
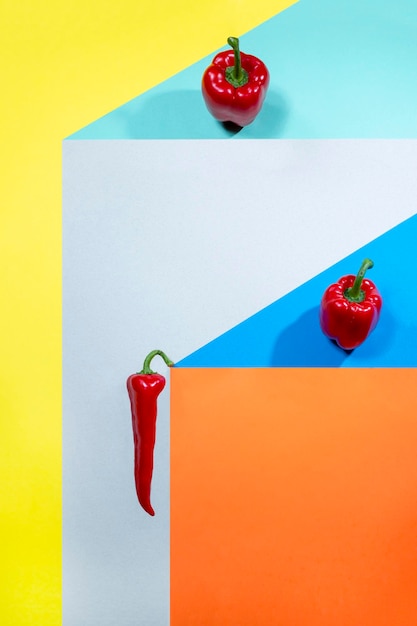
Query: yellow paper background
63,66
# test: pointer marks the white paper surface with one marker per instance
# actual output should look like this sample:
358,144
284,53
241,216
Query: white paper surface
168,244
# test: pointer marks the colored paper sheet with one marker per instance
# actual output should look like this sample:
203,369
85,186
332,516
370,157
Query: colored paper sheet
293,497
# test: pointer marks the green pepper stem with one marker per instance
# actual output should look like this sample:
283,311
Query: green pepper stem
235,74
147,362
355,293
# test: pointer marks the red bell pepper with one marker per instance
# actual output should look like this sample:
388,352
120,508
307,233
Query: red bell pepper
350,309
234,86
143,389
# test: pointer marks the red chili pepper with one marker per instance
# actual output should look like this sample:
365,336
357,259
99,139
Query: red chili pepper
350,309
234,86
143,389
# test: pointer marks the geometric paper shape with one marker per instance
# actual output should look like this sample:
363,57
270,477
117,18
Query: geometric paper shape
338,70
293,497
287,333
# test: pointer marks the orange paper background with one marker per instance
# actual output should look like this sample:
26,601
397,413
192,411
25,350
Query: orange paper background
293,497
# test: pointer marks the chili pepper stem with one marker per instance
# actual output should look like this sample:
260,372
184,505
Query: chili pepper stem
147,362
355,293
235,74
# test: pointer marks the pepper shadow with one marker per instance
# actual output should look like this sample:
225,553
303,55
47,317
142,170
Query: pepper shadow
303,344
180,114
231,128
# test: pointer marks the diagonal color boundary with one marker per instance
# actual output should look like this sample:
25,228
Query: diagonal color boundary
287,334
338,69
